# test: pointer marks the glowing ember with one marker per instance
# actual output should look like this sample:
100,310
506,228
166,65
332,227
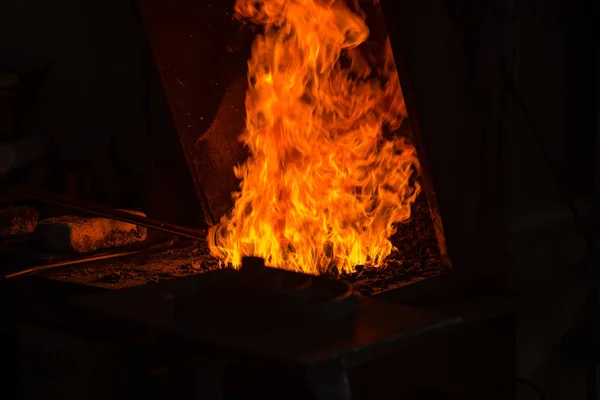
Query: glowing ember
322,184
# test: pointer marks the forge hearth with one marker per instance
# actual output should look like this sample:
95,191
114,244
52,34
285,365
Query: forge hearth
159,259
417,259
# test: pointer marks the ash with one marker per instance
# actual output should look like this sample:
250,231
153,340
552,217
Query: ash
190,258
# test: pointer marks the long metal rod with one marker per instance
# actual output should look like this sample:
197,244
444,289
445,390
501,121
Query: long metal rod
107,255
103,211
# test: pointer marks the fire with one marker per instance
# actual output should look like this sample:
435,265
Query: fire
323,184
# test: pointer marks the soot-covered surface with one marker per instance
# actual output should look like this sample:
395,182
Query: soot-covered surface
418,258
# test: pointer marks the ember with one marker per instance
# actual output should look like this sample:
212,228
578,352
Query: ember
324,183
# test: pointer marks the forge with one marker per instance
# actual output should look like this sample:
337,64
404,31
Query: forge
325,191
306,157
318,156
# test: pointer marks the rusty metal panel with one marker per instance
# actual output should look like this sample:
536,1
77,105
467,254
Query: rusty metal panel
201,54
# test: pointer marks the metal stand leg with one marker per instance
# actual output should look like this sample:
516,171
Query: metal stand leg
198,378
593,370
208,379
329,382
592,382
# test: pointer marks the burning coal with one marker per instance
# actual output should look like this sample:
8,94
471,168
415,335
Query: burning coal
324,184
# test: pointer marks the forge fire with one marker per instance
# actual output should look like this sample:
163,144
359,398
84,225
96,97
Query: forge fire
327,179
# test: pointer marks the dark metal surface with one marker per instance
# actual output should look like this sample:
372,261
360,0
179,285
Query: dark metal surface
330,382
102,211
378,328
449,67
317,356
201,54
393,347
261,298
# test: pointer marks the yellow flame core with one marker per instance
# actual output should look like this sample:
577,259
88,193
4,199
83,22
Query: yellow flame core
322,185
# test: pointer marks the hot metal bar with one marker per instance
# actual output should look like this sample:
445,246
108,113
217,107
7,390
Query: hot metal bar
103,211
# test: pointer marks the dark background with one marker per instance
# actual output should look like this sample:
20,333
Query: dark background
90,85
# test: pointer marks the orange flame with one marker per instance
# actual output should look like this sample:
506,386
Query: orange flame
322,185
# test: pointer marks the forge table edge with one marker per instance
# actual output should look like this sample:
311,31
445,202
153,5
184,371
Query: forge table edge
146,313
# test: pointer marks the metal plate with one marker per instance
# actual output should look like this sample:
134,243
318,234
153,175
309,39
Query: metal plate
449,67
201,54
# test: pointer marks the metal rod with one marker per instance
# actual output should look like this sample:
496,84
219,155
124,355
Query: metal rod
96,257
103,211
